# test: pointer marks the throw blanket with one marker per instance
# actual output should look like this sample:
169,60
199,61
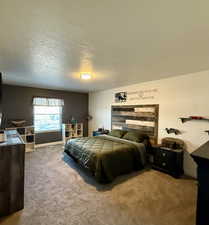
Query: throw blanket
106,156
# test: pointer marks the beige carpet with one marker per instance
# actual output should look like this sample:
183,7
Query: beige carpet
59,192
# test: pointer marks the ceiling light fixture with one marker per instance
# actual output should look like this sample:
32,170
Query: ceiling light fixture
85,76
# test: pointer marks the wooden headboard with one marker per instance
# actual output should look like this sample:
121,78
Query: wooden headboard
143,118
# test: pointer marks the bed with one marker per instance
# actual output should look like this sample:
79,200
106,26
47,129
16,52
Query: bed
125,149
107,157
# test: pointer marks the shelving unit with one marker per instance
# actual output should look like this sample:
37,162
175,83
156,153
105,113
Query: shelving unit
186,119
28,135
70,130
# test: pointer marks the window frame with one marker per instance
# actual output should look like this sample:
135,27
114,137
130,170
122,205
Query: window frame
48,131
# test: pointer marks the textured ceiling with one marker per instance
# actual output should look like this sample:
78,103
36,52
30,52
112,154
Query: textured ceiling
48,43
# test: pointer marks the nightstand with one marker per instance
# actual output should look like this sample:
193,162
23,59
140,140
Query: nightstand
168,160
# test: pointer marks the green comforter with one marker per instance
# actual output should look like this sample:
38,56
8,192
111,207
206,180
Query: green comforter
106,156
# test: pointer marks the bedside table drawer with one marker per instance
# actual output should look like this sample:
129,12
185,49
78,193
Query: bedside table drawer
168,161
164,156
164,164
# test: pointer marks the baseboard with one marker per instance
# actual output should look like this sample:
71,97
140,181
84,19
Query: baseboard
48,144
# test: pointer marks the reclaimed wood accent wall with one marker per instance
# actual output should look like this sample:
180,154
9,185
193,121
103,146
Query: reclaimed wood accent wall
143,118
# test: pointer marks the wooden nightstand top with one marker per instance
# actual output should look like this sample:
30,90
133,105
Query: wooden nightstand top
159,146
156,145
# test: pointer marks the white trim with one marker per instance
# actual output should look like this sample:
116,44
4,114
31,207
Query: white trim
48,131
48,144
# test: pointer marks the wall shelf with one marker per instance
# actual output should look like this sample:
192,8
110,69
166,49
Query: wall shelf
199,118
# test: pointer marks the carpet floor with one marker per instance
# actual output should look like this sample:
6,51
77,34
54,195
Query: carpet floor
60,192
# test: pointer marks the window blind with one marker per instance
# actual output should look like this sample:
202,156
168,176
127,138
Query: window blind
39,101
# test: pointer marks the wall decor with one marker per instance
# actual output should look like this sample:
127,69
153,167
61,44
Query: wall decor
73,120
186,119
142,94
143,118
207,131
120,97
173,130
89,117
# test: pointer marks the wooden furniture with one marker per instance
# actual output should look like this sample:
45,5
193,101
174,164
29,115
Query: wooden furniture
200,118
168,160
201,157
70,130
12,160
143,118
168,157
28,135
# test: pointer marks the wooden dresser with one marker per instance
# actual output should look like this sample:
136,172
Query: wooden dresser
169,156
168,160
12,161
201,157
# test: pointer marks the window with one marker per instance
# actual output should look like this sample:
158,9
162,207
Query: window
47,114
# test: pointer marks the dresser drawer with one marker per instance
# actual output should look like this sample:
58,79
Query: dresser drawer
4,203
167,160
165,156
164,164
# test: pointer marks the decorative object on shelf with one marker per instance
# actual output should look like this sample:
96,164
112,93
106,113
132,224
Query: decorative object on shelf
18,123
186,119
120,97
89,117
207,131
71,130
173,130
28,136
73,120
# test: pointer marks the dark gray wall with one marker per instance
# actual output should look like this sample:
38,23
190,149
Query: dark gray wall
0,93
17,104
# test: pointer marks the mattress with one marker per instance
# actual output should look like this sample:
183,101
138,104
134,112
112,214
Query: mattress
107,157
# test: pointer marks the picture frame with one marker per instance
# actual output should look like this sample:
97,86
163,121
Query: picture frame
120,97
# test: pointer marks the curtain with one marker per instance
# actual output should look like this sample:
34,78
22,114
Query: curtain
39,101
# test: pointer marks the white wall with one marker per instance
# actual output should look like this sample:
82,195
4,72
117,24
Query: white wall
181,96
